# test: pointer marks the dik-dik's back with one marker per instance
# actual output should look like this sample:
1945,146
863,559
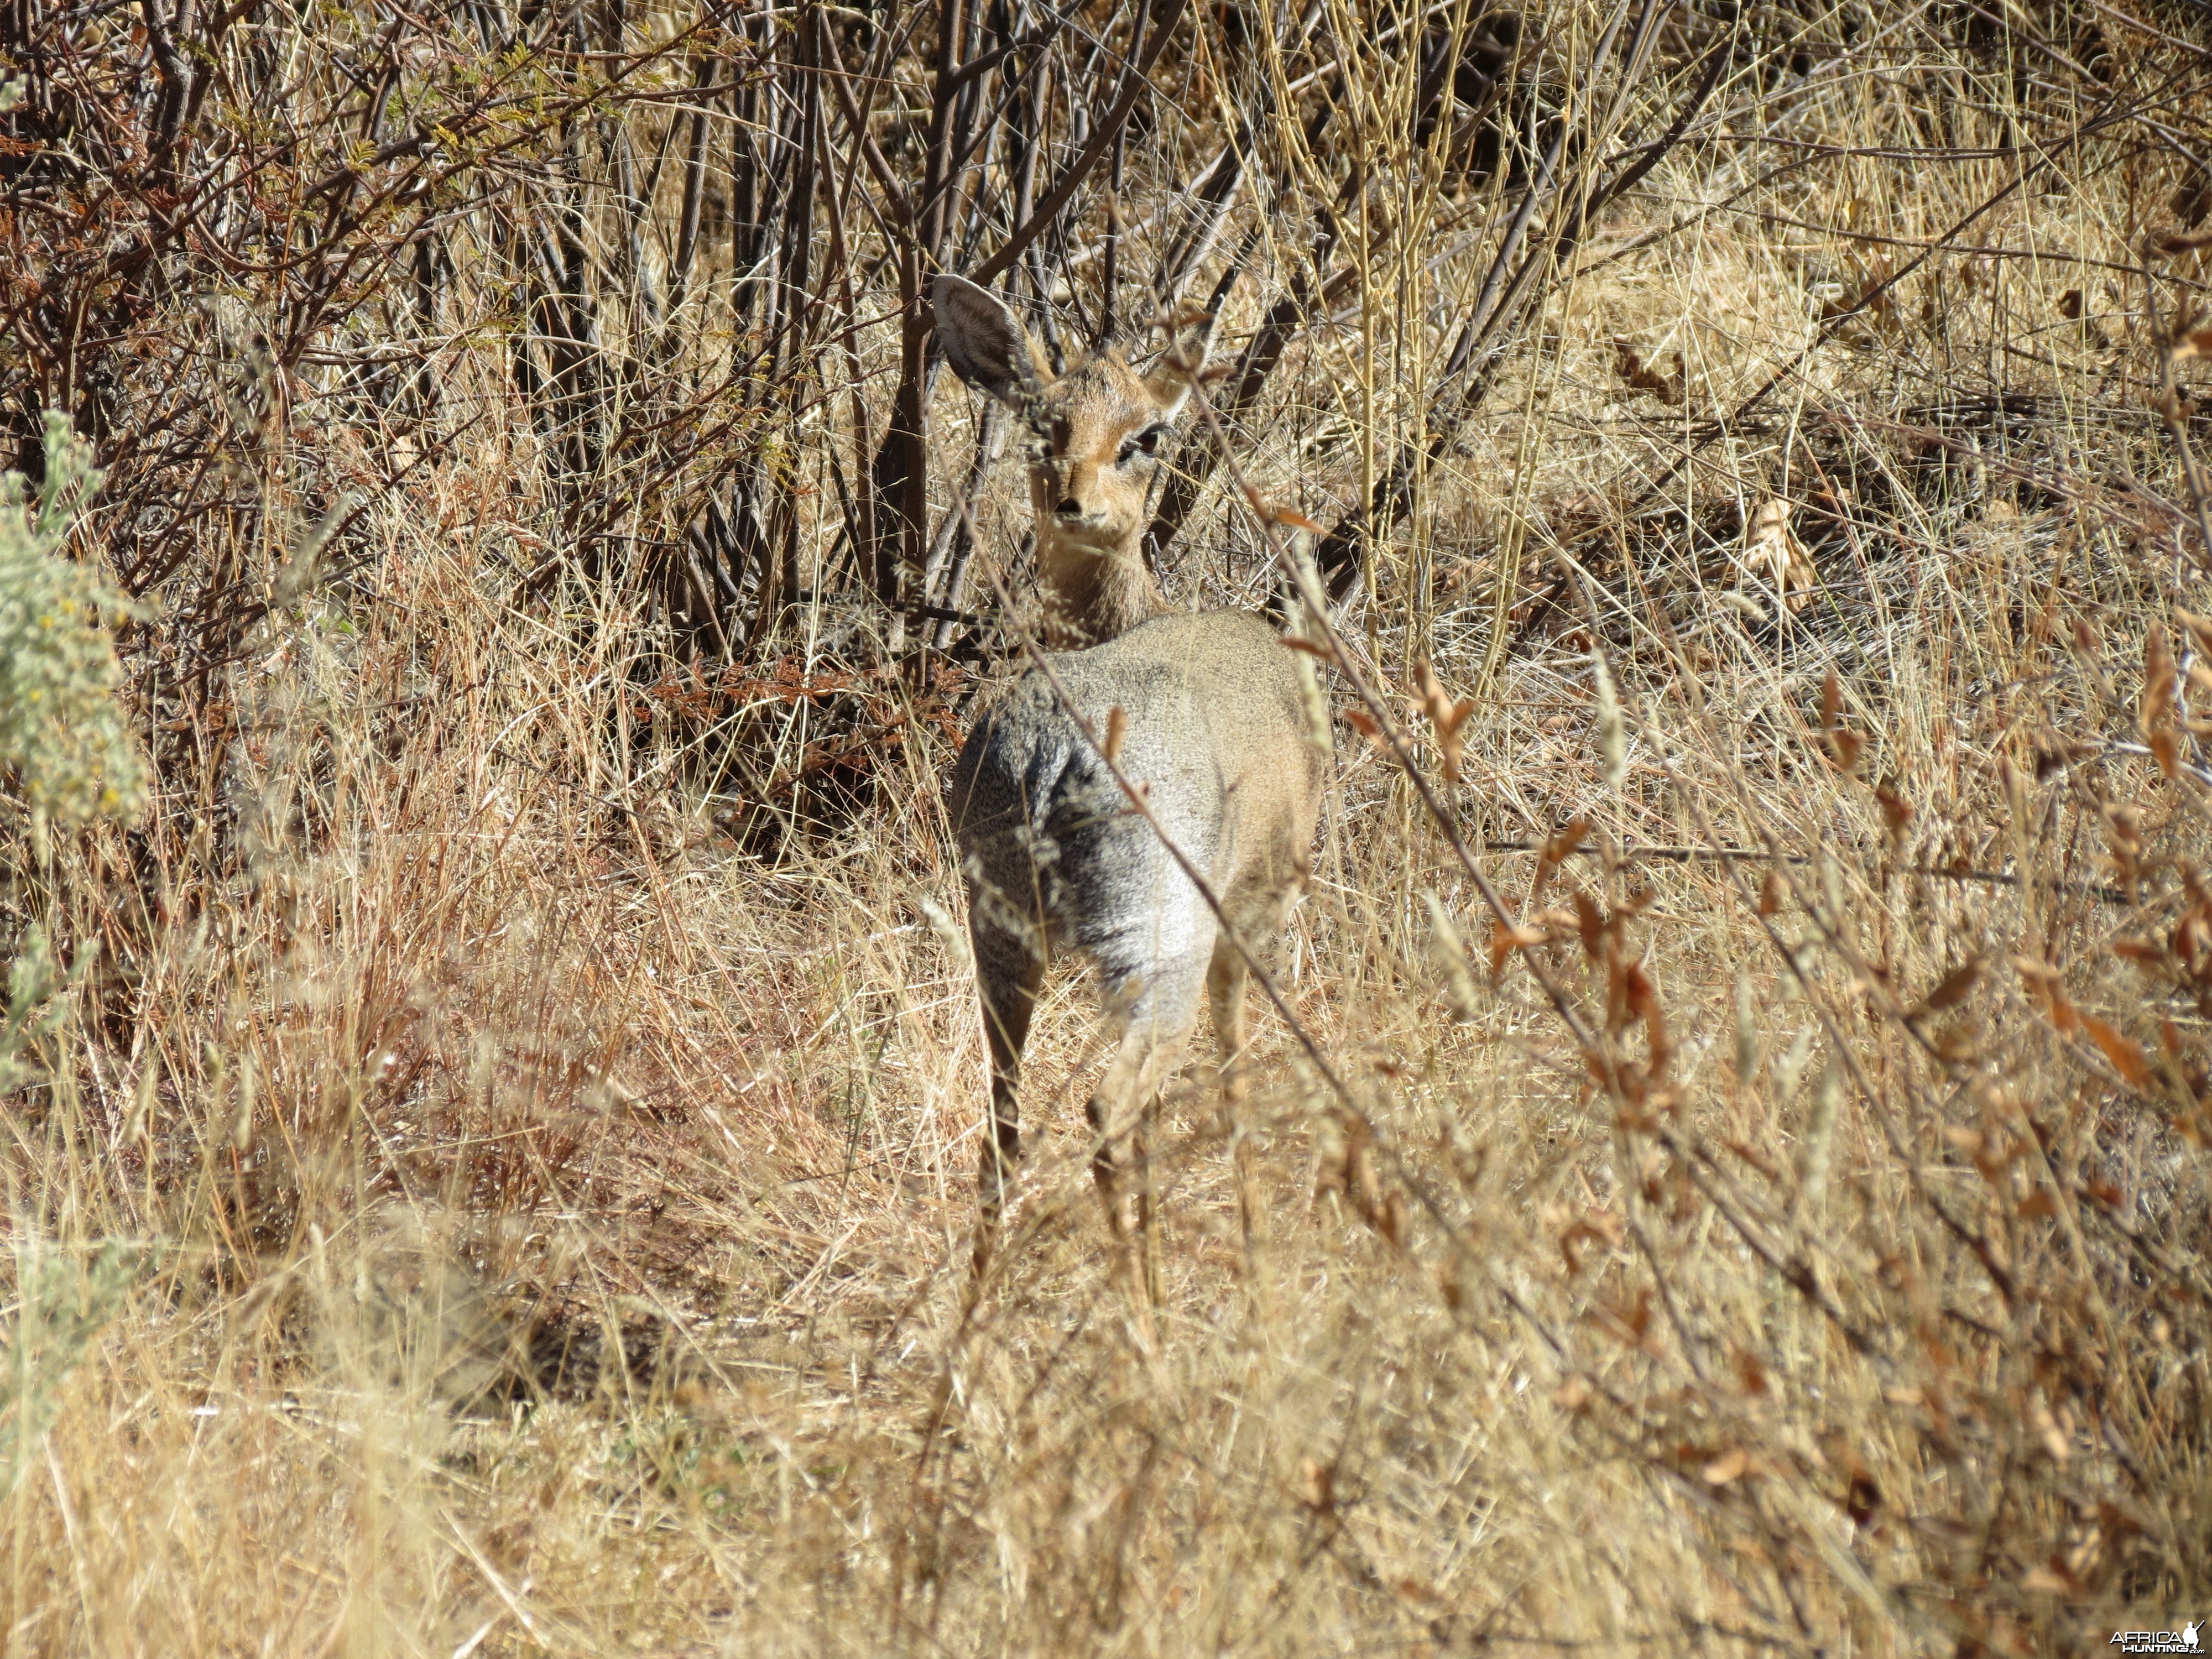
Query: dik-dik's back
1214,734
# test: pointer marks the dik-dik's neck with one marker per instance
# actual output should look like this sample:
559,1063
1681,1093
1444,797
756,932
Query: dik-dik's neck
1092,595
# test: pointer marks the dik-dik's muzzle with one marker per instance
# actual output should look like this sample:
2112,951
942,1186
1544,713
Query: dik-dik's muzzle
1077,503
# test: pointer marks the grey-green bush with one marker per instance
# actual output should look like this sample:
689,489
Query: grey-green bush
61,731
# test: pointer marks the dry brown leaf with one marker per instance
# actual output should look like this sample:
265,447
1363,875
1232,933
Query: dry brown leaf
1729,1466
1557,848
2159,701
2125,1052
1444,716
1845,745
1503,941
1290,518
1896,811
1773,555
1589,922
1952,991
1750,1374
2047,990
1668,389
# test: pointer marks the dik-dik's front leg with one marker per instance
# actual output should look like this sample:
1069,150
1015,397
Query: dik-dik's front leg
1120,1112
1152,1012
1257,917
1008,971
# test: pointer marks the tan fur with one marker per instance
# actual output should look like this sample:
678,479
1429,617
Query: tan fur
1214,734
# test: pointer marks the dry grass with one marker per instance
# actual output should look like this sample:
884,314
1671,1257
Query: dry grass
481,1195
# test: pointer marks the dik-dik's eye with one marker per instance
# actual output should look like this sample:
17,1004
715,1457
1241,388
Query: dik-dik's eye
1145,443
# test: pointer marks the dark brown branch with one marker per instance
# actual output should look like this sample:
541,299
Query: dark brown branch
1102,139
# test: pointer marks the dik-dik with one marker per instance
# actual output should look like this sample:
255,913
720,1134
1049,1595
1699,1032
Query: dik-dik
1214,732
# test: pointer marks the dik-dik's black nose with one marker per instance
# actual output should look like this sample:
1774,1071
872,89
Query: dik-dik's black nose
1069,508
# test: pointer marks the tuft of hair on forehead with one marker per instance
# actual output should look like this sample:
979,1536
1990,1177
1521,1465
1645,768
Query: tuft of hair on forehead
1103,399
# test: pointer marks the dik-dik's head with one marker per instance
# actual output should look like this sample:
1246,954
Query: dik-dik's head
1096,432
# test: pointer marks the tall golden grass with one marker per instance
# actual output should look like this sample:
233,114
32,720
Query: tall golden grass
493,1169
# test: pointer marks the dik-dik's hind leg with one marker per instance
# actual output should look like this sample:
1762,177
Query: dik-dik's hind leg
1154,1022
1226,978
1224,993
1120,1112
1008,971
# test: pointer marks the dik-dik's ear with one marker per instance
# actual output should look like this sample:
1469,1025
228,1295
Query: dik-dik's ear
985,345
1171,375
